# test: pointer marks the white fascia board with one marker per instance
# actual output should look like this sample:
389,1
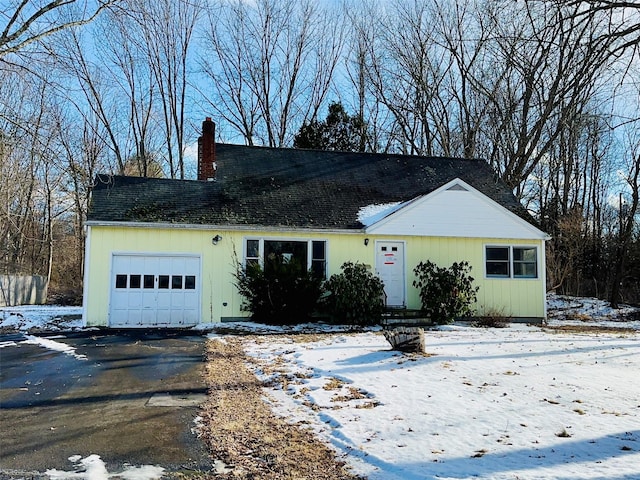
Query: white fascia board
532,231
85,279
239,228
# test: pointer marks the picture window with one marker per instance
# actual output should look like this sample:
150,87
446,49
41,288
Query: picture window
308,254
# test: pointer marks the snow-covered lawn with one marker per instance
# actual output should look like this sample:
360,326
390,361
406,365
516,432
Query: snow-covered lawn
513,403
41,317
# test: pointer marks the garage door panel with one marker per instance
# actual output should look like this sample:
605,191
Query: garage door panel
135,317
149,299
177,300
134,300
164,300
148,317
190,298
136,264
154,290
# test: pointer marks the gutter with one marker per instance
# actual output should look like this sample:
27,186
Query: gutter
239,228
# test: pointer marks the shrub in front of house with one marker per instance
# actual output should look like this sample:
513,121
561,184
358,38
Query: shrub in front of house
492,318
445,293
281,293
355,296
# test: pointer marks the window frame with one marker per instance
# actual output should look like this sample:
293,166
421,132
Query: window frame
524,262
506,262
311,260
512,262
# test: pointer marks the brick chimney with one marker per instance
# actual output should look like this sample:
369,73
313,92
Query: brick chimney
207,152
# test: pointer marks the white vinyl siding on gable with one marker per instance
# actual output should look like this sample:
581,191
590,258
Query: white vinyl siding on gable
454,210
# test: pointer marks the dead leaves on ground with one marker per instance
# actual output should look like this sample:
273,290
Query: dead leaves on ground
242,431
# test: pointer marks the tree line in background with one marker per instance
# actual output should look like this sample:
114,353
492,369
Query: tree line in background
546,91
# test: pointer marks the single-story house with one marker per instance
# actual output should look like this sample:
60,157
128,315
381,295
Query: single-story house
163,252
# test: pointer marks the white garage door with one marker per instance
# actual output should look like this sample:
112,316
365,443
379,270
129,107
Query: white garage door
154,291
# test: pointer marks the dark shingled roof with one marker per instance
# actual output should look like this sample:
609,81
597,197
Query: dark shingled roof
289,188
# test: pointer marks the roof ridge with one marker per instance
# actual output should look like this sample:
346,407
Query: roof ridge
343,152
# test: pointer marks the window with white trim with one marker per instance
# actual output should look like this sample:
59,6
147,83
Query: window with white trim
510,261
311,254
252,252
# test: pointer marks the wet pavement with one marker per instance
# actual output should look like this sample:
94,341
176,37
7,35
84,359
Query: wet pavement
130,397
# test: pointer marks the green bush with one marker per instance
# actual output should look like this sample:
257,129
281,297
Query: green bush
445,293
355,296
281,293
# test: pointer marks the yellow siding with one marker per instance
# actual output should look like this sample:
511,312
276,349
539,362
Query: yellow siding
524,298
516,297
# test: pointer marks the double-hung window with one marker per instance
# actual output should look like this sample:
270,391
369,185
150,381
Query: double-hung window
309,254
511,261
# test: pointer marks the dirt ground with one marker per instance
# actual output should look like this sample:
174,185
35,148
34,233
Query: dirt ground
245,437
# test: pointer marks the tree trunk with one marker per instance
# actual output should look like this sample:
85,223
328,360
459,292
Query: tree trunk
406,339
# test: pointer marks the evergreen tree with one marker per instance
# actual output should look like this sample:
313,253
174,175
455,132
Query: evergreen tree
339,132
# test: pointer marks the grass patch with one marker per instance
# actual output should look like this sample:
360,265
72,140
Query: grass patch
333,384
588,329
241,430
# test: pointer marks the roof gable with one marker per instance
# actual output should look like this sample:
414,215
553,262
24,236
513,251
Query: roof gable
277,187
455,209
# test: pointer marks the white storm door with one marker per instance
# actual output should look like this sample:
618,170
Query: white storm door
154,291
390,269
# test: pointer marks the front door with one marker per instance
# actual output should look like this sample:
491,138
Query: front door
390,269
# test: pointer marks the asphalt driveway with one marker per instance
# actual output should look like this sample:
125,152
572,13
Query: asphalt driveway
131,398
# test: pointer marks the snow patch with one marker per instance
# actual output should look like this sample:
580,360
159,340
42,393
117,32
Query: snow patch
93,468
51,317
53,345
371,214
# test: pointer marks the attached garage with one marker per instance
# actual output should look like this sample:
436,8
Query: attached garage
154,290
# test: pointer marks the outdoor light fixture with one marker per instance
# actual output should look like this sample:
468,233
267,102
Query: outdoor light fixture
366,242
216,239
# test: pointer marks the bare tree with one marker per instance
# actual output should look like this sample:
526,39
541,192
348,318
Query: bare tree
364,19
623,19
271,65
628,221
433,67
167,28
127,62
554,65
29,178
99,93
29,21
81,156
17,173
406,70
